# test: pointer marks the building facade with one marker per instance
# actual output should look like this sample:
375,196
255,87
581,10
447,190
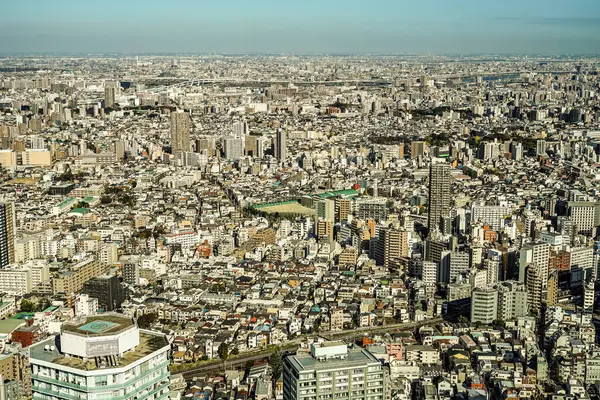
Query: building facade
101,357
439,194
180,132
331,369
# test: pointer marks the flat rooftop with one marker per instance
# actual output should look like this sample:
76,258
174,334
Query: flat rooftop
149,343
99,325
354,358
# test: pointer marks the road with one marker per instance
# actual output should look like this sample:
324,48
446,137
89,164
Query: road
293,344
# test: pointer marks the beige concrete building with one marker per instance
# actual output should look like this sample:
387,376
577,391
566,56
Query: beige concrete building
71,279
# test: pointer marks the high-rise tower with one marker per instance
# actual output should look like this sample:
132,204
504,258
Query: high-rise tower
439,194
109,97
180,132
7,234
280,146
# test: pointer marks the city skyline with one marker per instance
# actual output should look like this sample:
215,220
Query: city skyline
466,27
265,200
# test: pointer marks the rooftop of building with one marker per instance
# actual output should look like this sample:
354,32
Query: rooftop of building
149,343
353,358
347,192
7,326
99,325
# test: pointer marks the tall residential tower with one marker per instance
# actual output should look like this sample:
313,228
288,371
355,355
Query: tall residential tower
280,146
439,194
7,234
180,132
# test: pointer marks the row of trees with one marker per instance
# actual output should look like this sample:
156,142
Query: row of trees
30,306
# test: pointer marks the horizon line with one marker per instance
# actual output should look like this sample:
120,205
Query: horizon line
358,53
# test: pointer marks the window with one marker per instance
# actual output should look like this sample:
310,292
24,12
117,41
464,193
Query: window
101,380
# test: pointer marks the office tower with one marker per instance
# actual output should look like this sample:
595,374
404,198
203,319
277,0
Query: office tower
512,300
7,233
534,283
233,148
538,254
417,148
391,246
354,373
439,194
484,305
280,146
107,289
109,97
102,356
180,131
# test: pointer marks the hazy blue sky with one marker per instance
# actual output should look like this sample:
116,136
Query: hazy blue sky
301,26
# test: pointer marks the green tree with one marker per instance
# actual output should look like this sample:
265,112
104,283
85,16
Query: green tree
223,351
235,351
499,322
42,305
81,204
276,363
462,319
145,321
27,306
145,234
